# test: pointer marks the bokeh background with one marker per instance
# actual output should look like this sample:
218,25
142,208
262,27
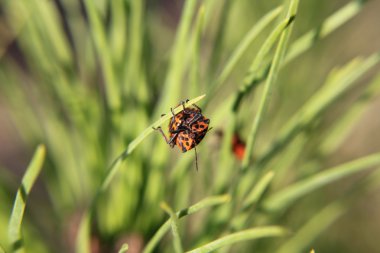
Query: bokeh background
63,62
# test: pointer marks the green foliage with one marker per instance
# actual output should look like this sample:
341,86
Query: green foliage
124,248
31,174
248,234
90,81
210,201
174,224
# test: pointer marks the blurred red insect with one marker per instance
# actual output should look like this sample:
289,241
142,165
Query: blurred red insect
238,147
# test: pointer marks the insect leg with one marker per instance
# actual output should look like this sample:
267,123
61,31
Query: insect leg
175,134
183,106
171,109
183,102
199,109
196,158
171,141
166,138
187,100
194,119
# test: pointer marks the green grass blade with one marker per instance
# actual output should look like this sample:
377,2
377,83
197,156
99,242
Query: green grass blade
133,74
217,45
48,24
324,218
30,176
249,234
333,22
306,41
317,224
336,85
207,202
345,123
104,54
82,239
244,45
256,69
118,31
279,54
178,61
174,224
250,201
222,179
258,190
196,53
297,190
124,248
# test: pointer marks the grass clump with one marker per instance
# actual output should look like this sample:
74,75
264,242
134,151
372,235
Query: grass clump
90,79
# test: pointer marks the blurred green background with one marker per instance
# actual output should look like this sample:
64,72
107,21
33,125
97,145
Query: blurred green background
86,78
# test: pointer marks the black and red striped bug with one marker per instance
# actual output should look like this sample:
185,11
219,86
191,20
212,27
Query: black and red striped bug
187,129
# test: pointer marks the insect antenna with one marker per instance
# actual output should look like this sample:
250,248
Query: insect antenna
196,158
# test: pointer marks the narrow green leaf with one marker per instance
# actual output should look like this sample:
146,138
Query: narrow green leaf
174,224
258,190
346,122
306,41
250,201
134,86
207,202
30,176
118,33
196,52
178,61
249,234
336,85
333,22
124,248
244,45
297,190
223,178
83,239
256,69
315,226
217,46
54,40
104,54
279,54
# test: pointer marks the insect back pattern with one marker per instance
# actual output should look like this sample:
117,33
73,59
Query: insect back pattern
186,129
